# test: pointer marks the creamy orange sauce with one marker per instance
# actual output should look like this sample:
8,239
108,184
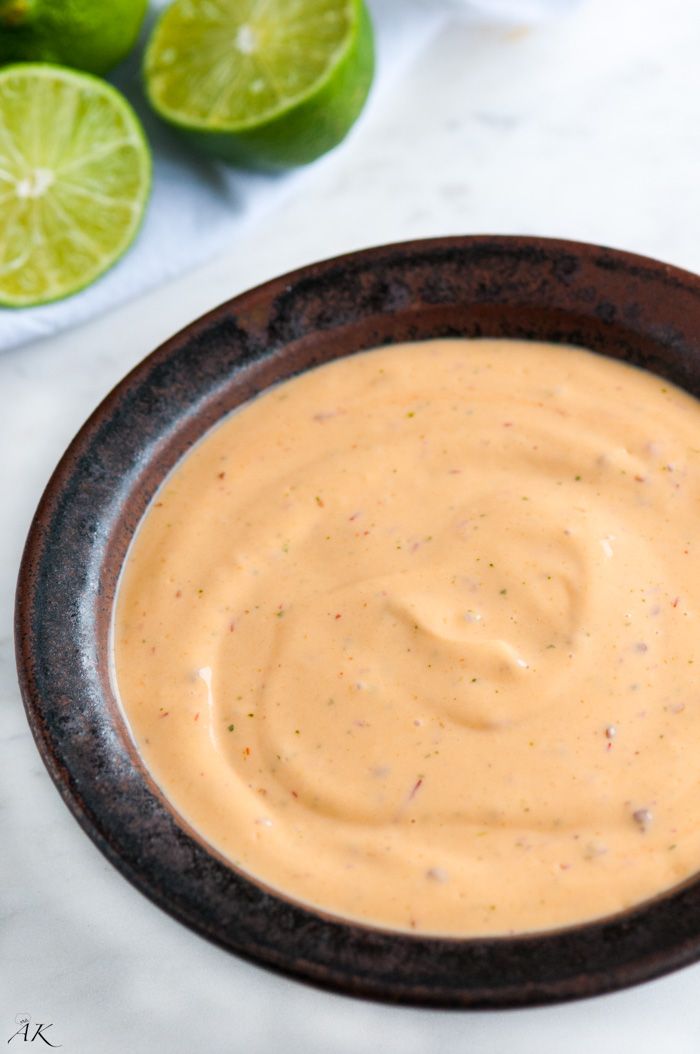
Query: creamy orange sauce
414,637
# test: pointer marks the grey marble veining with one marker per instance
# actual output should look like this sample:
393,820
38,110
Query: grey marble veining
587,127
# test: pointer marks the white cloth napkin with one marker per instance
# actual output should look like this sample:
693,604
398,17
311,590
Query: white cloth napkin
198,207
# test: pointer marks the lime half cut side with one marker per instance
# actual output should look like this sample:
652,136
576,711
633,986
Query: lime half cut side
264,83
75,173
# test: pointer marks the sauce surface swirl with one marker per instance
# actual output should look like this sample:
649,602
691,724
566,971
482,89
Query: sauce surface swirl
414,637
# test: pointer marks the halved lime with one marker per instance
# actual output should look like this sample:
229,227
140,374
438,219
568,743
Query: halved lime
265,83
75,172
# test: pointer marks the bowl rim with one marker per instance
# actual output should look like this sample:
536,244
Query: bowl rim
643,942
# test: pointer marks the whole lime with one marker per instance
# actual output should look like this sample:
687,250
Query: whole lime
91,35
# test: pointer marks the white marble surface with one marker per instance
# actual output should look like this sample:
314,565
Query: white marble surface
585,128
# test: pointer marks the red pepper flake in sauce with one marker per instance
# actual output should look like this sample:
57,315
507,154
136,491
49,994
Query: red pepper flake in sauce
165,713
416,787
643,818
437,874
319,502
222,475
196,716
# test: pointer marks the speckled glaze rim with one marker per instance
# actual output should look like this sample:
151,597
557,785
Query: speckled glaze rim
625,306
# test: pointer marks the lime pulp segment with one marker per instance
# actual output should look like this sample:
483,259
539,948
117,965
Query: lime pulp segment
74,180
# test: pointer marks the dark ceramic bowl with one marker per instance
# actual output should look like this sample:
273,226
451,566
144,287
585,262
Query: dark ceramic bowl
625,306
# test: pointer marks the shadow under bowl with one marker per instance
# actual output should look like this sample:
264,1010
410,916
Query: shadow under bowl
624,306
